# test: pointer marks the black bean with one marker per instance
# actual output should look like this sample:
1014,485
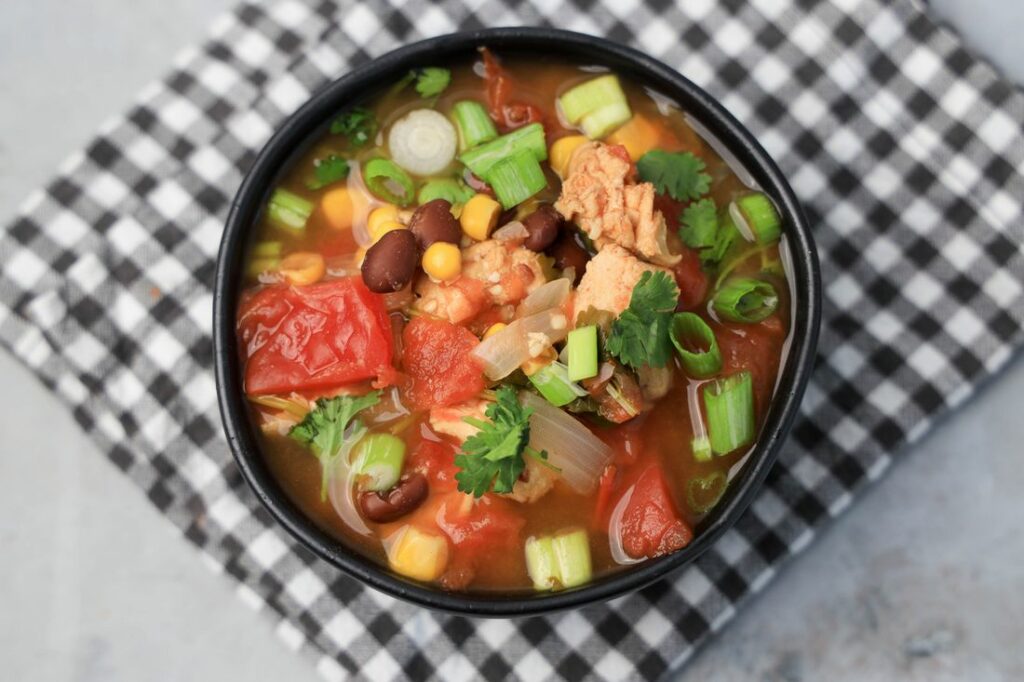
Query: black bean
542,225
434,222
390,263
567,252
405,496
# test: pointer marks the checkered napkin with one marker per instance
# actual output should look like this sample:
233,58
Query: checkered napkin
906,150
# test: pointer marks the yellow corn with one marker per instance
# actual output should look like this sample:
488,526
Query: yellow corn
381,215
382,228
561,152
494,329
637,135
418,555
479,216
534,365
340,207
442,261
303,267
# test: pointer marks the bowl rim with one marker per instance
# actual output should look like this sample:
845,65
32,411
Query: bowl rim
297,128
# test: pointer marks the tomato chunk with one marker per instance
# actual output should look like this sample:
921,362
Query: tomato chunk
650,525
316,337
435,459
481,524
438,363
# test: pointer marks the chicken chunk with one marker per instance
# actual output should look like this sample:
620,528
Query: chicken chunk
509,272
449,420
597,196
456,301
609,279
536,482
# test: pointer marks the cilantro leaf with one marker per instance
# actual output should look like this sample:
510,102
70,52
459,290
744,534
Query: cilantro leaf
432,81
326,430
640,335
327,171
492,458
700,224
679,174
724,238
359,125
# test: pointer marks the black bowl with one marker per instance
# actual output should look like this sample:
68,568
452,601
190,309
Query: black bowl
296,131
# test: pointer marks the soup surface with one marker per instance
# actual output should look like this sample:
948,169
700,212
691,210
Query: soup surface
510,325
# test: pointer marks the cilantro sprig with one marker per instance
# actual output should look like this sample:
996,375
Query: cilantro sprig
700,224
493,458
358,124
640,335
679,174
331,430
328,171
432,80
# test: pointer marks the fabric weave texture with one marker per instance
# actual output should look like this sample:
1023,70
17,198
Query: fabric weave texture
906,150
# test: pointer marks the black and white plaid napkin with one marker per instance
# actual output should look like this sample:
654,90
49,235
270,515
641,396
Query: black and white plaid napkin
907,151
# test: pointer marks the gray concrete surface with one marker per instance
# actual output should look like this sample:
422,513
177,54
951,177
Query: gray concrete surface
920,581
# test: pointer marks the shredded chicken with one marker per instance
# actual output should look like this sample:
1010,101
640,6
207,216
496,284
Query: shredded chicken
509,272
609,279
597,197
457,301
536,482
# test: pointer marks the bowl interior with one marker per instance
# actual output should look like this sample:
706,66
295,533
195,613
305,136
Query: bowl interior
298,131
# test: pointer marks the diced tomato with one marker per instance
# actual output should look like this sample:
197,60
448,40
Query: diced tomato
605,485
313,338
650,525
435,459
752,347
508,115
438,363
693,283
481,524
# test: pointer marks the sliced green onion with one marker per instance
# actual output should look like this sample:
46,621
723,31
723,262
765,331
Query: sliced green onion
516,178
388,182
552,381
760,217
380,457
559,562
530,137
729,404
590,96
701,447
267,250
581,346
599,123
744,299
473,123
453,191
696,345
258,266
289,210
704,492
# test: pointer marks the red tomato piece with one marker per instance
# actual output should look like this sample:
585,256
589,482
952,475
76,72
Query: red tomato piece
508,115
755,348
650,525
435,459
693,283
312,338
479,525
438,363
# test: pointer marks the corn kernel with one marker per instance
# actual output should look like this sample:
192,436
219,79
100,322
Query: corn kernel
383,228
494,329
381,215
479,216
540,361
442,261
343,207
418,555
561,152
303,268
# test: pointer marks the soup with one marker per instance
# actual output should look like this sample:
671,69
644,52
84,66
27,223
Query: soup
511,325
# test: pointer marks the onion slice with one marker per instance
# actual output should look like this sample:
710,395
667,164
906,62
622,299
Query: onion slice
545,297
422,142
502,353
570,445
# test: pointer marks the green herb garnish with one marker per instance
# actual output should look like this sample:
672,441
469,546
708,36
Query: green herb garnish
432,80
700,224
328,171
359,125
640,335
492,458
326,429
679,174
